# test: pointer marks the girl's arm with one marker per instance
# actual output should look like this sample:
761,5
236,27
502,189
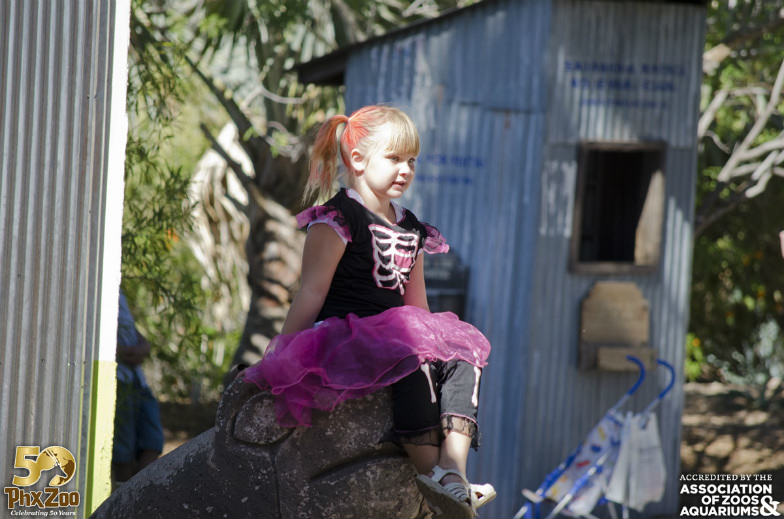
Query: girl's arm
320,257
416,295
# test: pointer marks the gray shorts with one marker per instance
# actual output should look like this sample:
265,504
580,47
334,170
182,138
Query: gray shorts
437,399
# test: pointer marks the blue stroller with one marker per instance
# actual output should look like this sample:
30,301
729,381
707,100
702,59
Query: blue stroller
578,484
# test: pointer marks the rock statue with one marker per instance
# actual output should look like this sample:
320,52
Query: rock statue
248,466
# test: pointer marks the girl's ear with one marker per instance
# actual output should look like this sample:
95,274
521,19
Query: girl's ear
357,161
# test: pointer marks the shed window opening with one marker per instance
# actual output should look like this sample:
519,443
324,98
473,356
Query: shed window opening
619,207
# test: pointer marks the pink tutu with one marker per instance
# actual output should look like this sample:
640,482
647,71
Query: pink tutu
340,359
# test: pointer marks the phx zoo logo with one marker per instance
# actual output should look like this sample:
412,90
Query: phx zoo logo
35,461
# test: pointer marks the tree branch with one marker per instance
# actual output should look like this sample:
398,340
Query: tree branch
772,159
703,220
737,38
761,173
775,144
754,167
760,185
717,141
256,147
260,90
713,57
708,115
236,167
233,164
251,142
726,172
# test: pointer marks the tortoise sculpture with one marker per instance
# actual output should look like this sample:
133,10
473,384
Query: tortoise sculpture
248,466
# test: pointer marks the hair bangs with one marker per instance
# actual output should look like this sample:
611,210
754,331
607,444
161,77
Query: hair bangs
380,128
404,137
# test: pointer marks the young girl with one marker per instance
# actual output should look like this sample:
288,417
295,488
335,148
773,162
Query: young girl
360,321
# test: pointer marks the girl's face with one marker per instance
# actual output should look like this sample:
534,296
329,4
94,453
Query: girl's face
385,172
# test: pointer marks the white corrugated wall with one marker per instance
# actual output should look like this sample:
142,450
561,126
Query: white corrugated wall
62,139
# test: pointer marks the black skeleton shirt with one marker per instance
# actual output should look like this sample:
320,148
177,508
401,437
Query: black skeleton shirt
372,274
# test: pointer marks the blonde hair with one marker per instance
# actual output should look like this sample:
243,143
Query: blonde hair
361,132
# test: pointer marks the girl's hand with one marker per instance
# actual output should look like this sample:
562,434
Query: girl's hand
320,257
416,294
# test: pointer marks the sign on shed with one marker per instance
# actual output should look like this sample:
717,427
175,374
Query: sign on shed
614,322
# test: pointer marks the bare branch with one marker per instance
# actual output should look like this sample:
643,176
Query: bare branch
759,187
236,167
260,90
759,124
762,172
708,115
775,144
248,137
765,165
347,28
756,95
718,142
257,148
707,216
749,91
745,169
416,7
759,104
756,167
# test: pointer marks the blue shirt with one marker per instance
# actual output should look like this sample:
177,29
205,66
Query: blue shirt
126,327
127,337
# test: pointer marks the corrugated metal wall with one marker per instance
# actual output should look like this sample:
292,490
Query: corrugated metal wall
619,71
491,90
479,103
55,69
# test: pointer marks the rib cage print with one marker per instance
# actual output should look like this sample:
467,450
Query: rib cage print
394,254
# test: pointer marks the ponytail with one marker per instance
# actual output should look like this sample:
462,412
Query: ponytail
324,158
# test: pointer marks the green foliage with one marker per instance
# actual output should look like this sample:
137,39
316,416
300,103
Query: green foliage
695,359
753,31
277,34
161,279
736,302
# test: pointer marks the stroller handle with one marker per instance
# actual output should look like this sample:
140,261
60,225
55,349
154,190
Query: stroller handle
647,411
631,391
672,377
641,367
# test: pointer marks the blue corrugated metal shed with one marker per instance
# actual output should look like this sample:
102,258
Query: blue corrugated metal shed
503,93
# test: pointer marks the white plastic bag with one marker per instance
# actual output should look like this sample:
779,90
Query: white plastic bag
640,475
647,472
617,487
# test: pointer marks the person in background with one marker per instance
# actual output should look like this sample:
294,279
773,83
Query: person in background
138,434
